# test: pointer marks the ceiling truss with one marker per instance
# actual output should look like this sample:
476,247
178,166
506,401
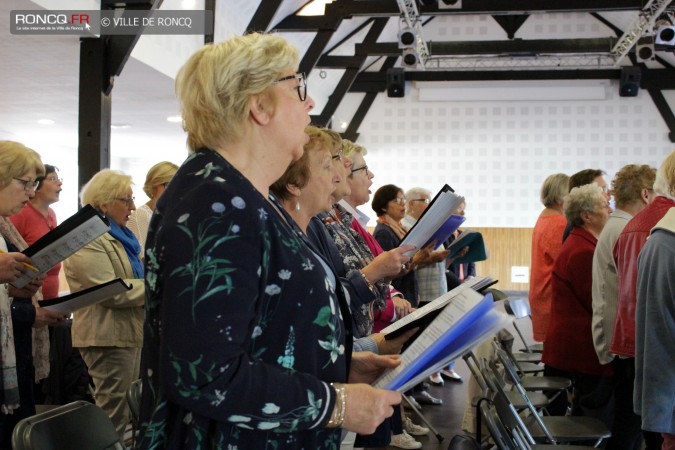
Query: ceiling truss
513,59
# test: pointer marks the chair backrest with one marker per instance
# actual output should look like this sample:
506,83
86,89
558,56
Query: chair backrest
134,399
509,363
517,307
77,425
499,433
493,371
472,364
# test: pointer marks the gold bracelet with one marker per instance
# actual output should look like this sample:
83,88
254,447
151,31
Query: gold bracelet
370,285
337,418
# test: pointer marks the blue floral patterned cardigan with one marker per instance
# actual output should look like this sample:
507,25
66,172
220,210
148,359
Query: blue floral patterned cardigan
243,331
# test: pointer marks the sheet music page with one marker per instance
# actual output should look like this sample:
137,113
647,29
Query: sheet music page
433,305
426,309
463,302
63,247
436,214
87,297
484,329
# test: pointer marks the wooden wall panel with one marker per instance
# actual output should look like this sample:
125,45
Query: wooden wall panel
507,247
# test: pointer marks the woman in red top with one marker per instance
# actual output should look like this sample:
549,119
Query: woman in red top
546,243
36,219
569,342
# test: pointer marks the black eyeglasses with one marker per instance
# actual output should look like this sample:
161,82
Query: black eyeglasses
424,200
361,168
302,85
28,184
340,155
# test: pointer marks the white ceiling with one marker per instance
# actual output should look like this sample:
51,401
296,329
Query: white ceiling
39,75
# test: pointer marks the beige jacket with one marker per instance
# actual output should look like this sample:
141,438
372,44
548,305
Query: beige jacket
118,321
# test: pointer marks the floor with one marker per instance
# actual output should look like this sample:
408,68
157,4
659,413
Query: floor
446,419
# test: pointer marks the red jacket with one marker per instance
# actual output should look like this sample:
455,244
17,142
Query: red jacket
569,341
626,251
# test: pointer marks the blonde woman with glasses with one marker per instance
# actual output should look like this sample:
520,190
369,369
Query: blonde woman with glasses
23,321
109,334
245,345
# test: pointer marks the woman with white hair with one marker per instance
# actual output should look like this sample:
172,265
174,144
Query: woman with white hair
109,334
245,345
569,342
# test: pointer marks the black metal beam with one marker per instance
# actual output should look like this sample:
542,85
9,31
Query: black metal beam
210,5
263,15
511,23
663,79
389,8
348,77
93,150
101,59
352,129
664,108
513,47
315,50
339,62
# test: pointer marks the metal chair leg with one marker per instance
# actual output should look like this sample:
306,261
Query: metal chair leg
424,419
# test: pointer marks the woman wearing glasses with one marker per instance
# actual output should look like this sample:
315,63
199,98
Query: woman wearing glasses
109,334
38,219
245,346
389,205
19,309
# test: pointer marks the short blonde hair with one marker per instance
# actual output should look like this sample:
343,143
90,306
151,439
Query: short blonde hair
554,189
160,173
215,85
350,148
298,173
335,139
15,160
104,187
629,182
665,177
581,199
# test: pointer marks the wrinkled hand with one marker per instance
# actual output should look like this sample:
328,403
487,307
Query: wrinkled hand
28,290
422,257
11,267
44,317
367,407
401,306
367,366
387,264
393,346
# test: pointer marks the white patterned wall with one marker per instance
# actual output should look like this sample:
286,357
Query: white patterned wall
497,154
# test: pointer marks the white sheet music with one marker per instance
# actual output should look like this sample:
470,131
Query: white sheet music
63,247
87,297
467,320
443,206
433,305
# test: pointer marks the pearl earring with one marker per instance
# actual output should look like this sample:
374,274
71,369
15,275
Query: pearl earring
297,206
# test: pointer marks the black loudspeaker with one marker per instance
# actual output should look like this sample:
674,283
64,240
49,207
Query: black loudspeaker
395,82
629,84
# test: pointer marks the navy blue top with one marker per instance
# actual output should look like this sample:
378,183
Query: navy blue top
243,331
407,284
